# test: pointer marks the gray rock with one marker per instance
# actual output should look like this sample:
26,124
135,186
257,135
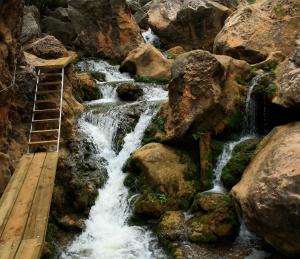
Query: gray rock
62,30
31,24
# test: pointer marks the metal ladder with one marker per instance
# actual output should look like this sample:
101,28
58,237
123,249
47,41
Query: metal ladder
47,110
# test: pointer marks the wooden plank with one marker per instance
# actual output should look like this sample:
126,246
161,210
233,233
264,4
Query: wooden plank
29,249
16,223
56,63
46,111
38,218
13,188
9,249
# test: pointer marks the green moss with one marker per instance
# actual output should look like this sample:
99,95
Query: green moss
241,157
234,121
151,80
241,80
157,124
161,197
99,76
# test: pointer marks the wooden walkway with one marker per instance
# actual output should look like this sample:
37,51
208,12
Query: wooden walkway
25,205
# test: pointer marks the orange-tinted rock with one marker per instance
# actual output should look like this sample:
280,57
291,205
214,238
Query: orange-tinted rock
202,93
288,80
105,28
269,191
255,31
147,61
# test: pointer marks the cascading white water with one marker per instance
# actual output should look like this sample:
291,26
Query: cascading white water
222,162
151,38
250,118
107,234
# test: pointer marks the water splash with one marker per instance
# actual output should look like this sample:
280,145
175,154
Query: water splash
107,234
151,38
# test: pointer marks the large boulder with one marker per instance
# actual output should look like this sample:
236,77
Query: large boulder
269,193
255,31
192,24
47,47
31,24
105,28
62,30
166,177
166,169
147,62
288,80
203,94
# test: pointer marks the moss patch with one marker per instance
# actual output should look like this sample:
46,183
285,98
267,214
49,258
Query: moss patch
241,157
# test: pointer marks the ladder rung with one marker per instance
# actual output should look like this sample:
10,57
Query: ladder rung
49,83
48,92
45,120
44,131
45,142
46,111
47,101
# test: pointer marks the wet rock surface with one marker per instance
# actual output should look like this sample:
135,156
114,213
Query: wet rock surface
270,186
129,92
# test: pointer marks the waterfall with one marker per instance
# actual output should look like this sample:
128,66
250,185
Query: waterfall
151,38
249,126
248,132
107,233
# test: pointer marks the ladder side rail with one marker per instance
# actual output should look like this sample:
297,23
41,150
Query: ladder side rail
34,106
61,105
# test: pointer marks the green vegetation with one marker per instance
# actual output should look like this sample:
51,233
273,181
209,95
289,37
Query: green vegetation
151,80
251,1
234,121
161,197
157,124
241,80
241,157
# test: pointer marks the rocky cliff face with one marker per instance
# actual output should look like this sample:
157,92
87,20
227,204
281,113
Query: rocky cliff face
10,25
104,28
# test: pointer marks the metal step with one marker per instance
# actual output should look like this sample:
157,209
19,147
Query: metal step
46,111
44,131
45,121
44,142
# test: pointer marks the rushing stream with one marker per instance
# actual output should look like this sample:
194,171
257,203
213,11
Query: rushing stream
108,234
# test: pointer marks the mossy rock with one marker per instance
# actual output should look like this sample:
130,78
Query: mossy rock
99,76
241,157
129,92
215,218
171,226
